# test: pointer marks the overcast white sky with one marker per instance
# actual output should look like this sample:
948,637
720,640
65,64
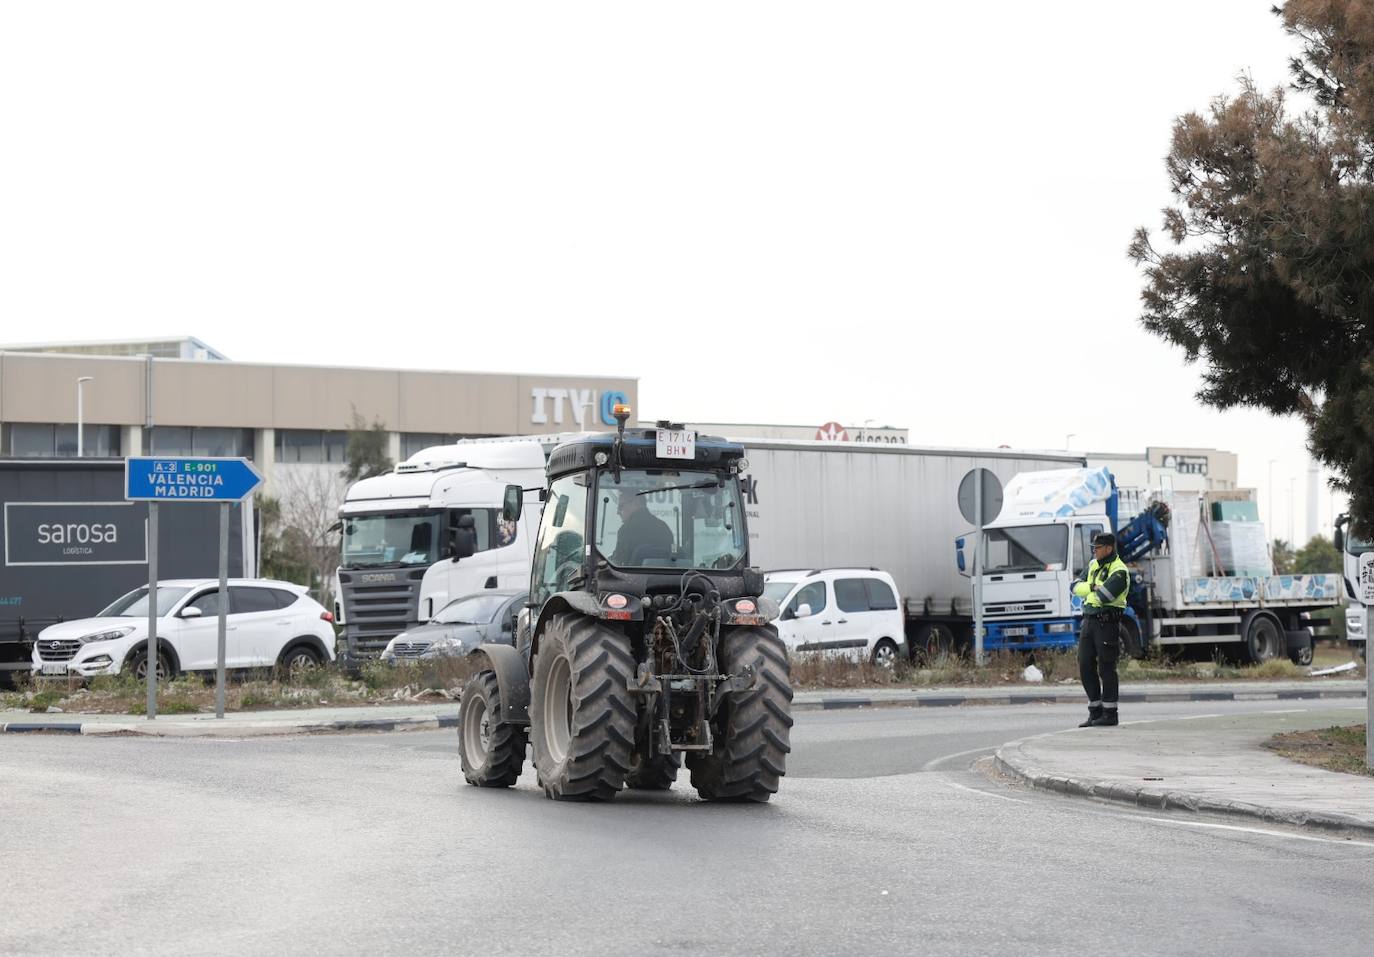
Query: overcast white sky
792,212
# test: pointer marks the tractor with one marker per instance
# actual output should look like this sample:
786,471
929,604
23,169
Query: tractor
646,642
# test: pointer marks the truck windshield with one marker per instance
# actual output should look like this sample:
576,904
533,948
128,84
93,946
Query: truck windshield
1355,545
393,538
135,604
1026,548
664,518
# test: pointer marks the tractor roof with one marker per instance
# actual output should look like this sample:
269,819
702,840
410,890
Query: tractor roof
641,451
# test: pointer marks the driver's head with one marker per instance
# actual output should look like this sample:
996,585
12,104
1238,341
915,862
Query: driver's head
630,502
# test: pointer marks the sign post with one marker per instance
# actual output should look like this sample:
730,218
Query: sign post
1366,593
980,496
202,480
150,655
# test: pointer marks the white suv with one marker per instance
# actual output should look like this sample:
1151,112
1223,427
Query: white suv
269,623
850,611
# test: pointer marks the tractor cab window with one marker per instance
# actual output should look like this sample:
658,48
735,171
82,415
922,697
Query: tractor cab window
562,538
664,518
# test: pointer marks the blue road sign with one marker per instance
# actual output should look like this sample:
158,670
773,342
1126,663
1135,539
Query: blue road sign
203,479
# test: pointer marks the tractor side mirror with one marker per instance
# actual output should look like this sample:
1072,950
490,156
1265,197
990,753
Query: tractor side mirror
513,503
1339,539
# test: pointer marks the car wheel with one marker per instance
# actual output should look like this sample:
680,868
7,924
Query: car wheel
884,654
299,658
138,665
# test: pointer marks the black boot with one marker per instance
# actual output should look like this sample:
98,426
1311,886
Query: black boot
1107,719
1094,716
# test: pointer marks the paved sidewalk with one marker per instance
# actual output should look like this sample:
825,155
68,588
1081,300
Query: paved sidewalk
419,717
1154,691
1206,765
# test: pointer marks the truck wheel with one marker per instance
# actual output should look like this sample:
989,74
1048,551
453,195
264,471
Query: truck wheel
656,774
1303,656
1130,638
1263,640
752,735
582,717
492,751
935,641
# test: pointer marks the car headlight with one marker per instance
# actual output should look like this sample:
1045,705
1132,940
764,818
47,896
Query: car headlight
110,635
444,646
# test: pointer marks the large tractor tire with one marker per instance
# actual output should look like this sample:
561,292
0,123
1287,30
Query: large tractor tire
656,774
492,751
754,726
582,716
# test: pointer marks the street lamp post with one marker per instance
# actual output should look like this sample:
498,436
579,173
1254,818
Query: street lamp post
80,398
1292,544
1069,438
864,430
1271,498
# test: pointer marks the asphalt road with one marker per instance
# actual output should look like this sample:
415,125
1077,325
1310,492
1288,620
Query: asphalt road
883,840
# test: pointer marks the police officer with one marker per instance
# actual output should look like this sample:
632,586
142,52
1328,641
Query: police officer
1103,591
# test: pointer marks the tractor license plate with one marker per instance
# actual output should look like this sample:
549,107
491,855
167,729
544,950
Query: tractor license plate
676,444
54,669
1016,632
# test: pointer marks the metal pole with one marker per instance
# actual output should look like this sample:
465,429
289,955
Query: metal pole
152,611
223,605
1369,695
978,567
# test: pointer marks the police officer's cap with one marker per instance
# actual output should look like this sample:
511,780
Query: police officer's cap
1104,538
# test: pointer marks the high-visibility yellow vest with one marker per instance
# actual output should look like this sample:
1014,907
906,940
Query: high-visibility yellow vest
1097,577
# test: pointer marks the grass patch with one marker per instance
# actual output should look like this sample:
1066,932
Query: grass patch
1334,749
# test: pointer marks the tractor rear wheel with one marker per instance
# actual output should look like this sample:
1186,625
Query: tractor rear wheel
753,726
582,716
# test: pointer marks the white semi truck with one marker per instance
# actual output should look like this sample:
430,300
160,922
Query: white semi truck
429,531
1352,545
818,505
1191,584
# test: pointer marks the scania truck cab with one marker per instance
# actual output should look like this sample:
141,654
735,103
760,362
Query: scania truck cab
429,531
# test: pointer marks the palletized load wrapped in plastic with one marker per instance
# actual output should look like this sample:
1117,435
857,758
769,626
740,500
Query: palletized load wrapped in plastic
1242,548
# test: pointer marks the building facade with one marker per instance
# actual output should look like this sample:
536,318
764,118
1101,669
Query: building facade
200,403
1171,467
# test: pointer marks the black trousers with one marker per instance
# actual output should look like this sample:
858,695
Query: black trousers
1099,646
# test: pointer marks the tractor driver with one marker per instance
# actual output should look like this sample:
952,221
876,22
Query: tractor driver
643,536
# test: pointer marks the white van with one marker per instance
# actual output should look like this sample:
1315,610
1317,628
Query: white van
850,611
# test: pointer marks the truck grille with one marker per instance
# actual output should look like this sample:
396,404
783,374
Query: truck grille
409,649
64,650
1009,608
378,606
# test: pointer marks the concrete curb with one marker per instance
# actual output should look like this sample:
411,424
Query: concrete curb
940,700
280,723
1011,760
212,728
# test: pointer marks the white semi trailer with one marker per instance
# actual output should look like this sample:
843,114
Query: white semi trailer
814,505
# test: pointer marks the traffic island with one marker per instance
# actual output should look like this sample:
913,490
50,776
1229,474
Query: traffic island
1212,765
